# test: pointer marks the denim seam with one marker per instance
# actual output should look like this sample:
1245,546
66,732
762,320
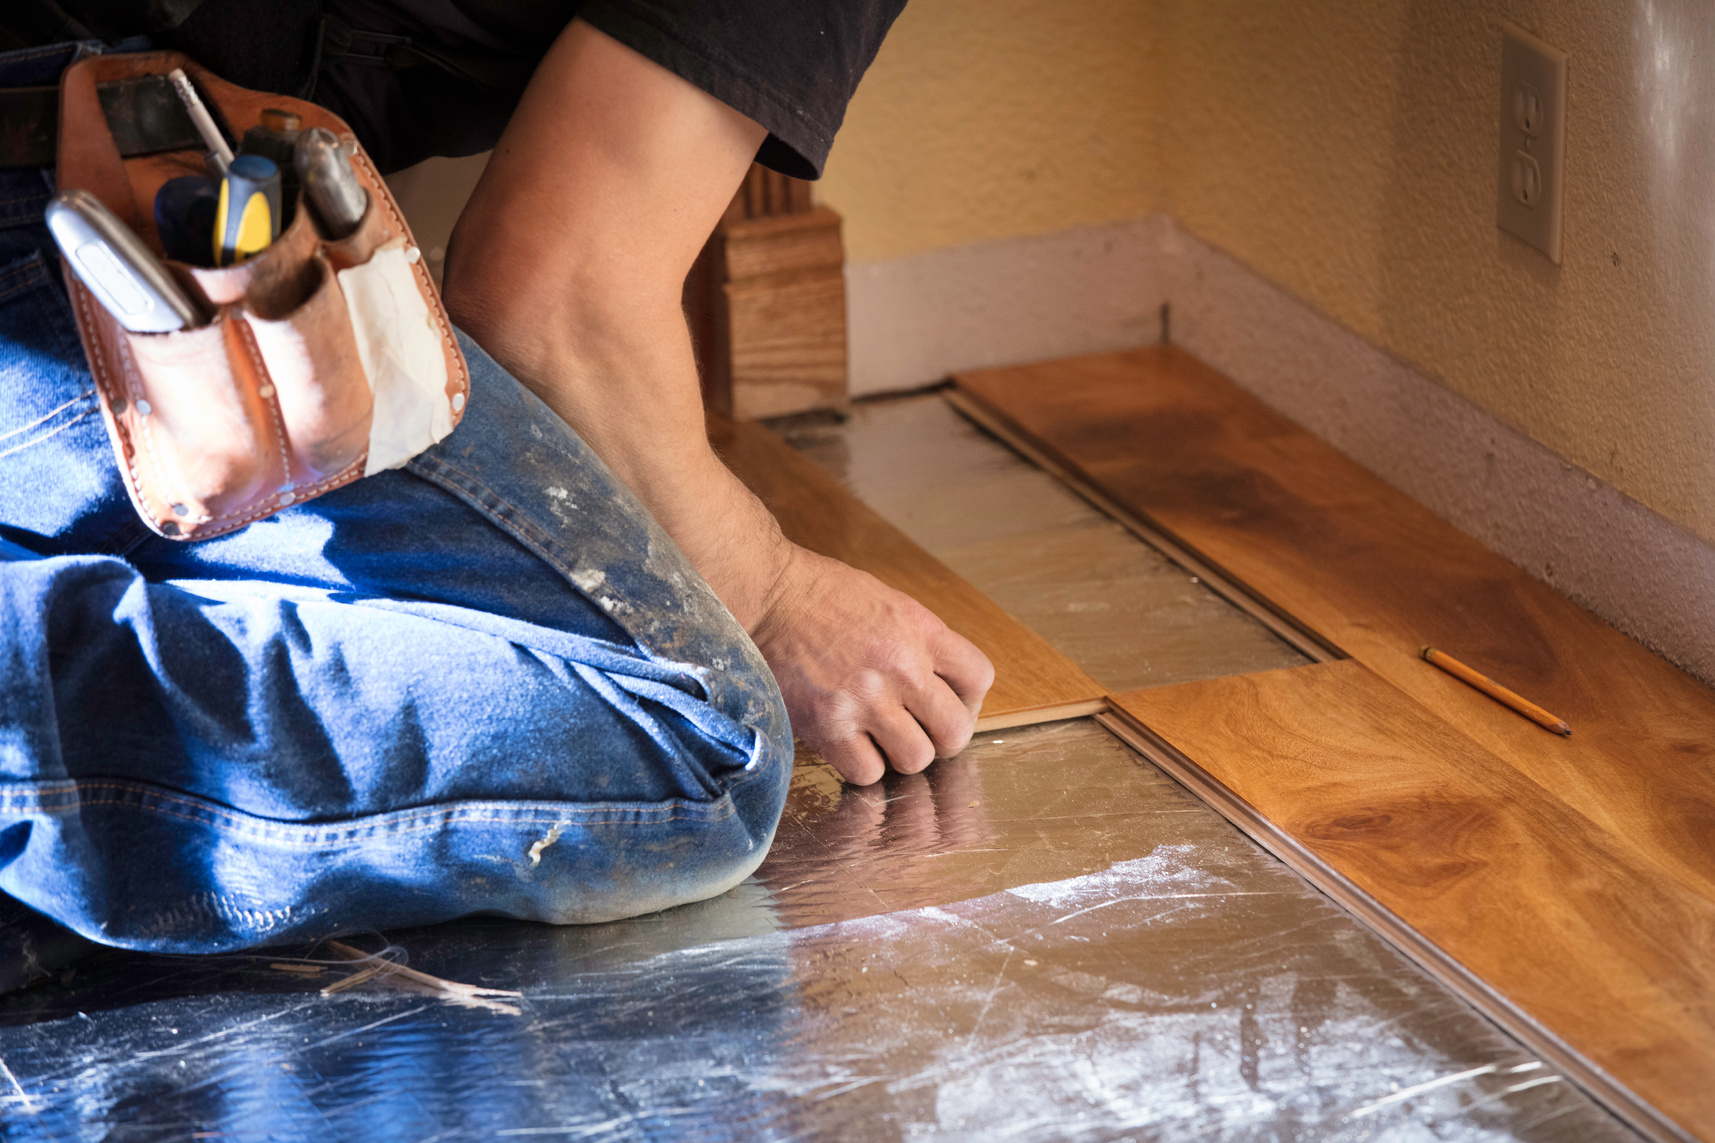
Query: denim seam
33,272
23,54
513,519
516,522
31,443
63,320
75,787
47,416
397,822
66,797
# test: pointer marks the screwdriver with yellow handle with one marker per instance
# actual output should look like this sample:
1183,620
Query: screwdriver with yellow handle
247,216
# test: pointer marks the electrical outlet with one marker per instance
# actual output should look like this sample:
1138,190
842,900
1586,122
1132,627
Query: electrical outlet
1533,140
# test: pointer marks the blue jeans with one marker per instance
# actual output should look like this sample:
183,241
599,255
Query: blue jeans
486,683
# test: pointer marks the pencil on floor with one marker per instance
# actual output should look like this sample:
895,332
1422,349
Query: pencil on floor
1495,691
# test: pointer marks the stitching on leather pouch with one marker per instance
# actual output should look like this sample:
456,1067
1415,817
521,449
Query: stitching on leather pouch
103,380
310,492
231,521
249,342
426,284
145,430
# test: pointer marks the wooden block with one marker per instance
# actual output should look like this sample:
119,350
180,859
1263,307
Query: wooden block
782,244
787,338
1379,575
1033,681
767,304
1547,908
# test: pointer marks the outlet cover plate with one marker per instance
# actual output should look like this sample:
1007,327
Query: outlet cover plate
1531,177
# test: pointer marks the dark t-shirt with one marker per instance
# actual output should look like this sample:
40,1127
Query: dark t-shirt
416,78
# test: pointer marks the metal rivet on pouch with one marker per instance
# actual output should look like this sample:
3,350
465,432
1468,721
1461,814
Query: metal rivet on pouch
143,408
118,406
286,498
458,401
169,529
181,510
265,392
412,254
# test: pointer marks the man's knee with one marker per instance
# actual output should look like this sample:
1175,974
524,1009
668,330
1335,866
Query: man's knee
677,852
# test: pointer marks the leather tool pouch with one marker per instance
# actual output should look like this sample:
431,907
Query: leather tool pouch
325,360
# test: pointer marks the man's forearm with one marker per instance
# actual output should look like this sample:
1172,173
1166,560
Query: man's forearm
568,267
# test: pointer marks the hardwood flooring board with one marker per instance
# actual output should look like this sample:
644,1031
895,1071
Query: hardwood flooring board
1033,681
1497,871
1379,576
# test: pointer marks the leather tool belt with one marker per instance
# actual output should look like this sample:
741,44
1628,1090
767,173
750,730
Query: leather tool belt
325,361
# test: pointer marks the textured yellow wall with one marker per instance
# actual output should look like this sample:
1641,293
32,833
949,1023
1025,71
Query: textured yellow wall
1346,150
987,119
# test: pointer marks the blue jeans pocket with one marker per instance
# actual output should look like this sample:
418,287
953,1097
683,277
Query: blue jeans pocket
44,387
59,485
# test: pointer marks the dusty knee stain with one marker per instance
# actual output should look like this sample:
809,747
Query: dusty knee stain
544,842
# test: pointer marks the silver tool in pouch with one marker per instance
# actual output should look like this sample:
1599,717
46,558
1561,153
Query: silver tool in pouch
109,258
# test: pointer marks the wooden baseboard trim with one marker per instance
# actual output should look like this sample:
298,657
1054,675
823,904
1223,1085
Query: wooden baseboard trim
1594,1081
1307,642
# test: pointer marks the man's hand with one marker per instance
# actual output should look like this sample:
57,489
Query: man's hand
871,676
568,266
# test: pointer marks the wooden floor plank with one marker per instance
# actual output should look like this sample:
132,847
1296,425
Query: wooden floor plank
1379,575
1033,681
1460,846
1573,874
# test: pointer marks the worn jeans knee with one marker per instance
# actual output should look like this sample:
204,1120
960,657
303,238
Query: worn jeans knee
488,683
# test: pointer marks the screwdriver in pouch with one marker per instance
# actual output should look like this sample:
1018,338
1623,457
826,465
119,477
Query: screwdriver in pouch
184,217
247,216
274,137
109,258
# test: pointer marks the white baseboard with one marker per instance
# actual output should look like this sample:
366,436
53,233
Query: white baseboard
914,320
